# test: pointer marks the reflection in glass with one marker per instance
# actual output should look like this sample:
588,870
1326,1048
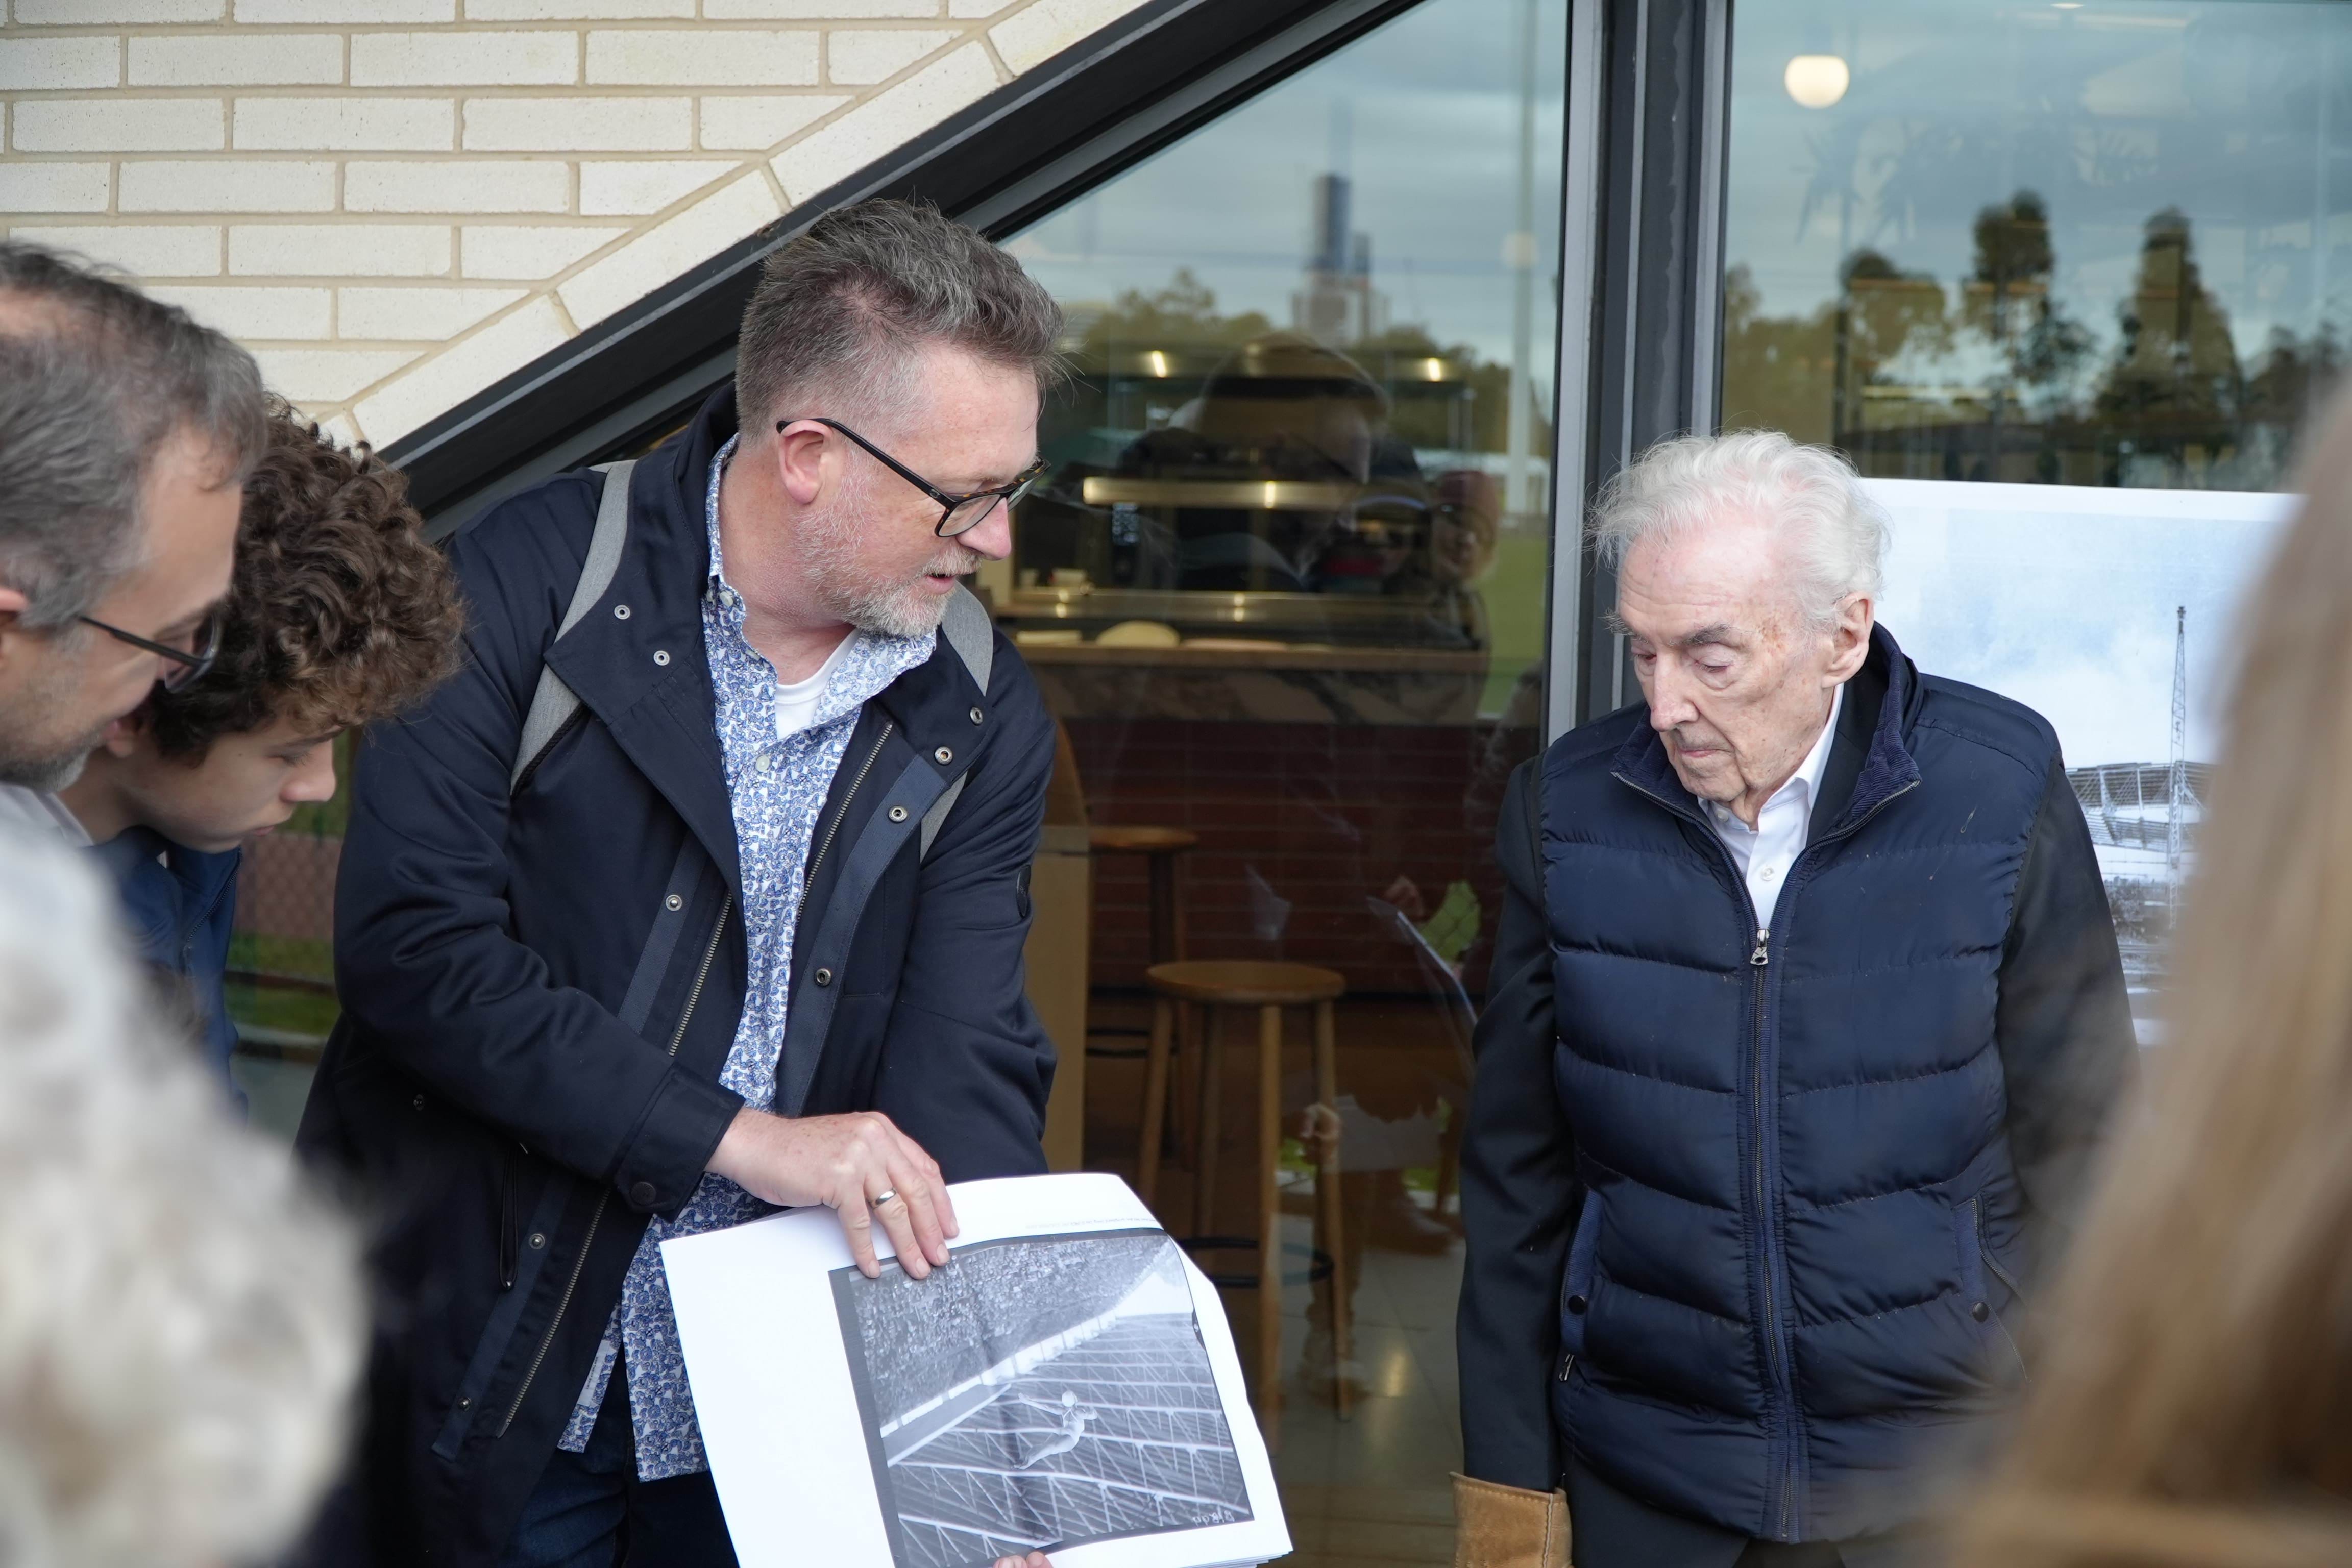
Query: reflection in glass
2082,245
1285,590
2072,249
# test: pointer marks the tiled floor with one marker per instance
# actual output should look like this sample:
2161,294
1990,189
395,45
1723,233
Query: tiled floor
1374,1488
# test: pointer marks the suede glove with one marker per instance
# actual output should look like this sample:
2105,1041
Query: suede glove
1507,1527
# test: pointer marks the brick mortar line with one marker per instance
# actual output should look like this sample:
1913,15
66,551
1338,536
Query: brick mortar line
459,29
437,92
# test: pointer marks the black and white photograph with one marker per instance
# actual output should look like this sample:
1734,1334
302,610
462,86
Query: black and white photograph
1039,1393
2118,638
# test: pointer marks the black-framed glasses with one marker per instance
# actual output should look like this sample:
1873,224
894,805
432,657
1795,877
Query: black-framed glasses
187,665
958,513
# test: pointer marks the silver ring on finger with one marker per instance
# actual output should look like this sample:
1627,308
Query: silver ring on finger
886,1196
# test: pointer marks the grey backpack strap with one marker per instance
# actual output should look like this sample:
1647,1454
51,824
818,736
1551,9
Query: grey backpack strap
553,705
972,635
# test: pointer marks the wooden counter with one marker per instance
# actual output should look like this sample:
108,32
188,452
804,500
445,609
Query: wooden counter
1304,683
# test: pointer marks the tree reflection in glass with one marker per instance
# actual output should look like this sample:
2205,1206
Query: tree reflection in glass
2107,247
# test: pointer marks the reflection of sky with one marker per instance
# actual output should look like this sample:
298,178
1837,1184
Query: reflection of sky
1421,114
2111,111
2063,599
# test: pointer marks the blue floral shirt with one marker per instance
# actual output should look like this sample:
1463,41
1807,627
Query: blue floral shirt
778,787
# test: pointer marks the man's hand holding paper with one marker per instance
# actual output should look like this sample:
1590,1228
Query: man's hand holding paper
859,1165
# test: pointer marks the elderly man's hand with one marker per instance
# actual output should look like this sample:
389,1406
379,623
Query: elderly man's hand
859,1165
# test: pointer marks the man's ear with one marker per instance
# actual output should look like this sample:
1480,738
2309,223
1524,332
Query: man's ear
799,455
1850,638
125,735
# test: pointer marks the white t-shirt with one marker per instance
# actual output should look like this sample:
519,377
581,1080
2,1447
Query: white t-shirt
1764,853
796,700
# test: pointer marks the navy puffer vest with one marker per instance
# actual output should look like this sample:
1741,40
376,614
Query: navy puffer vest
1787,1283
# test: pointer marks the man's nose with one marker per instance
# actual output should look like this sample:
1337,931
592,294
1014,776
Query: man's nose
1670,703
993,535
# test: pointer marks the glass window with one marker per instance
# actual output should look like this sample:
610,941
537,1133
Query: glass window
2028,263
1285,592
2078,243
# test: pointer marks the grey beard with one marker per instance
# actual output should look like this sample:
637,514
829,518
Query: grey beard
898,610
45,775
906,612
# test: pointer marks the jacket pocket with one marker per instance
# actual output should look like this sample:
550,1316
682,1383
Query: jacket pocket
1977,1268
1576,1280
510,1218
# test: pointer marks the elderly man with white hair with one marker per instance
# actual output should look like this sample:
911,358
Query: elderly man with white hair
1806,1015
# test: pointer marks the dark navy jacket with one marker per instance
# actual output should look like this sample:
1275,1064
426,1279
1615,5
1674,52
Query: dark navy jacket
180,906
539,992
1751,1213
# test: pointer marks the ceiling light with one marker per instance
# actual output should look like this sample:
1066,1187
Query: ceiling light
1816,81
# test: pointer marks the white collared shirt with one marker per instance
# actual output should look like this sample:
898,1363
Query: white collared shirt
1764,853
24,810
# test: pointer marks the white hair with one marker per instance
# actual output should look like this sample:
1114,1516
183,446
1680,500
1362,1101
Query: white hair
181,1324
1836,535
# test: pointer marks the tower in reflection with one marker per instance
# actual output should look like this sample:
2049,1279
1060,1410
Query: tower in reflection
1338,305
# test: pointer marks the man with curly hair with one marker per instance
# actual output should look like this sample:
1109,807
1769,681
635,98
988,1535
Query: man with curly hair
339,613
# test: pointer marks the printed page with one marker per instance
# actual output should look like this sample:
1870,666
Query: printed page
1067,1383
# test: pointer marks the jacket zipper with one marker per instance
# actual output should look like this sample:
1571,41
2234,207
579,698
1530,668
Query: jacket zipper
580,1263
808,878
1760,959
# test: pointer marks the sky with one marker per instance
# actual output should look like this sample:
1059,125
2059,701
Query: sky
2063,599
1423,116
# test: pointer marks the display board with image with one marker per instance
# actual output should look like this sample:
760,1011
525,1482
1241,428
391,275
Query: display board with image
2106,612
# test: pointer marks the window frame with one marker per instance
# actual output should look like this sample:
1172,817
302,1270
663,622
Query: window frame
1655,357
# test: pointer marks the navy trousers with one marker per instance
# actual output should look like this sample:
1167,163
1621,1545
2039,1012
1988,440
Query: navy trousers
589,1510
1609,1528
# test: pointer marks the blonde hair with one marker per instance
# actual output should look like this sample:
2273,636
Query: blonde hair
180,1325
2195,1398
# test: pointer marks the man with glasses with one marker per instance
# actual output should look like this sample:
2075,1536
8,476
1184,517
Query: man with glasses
126,431
742,928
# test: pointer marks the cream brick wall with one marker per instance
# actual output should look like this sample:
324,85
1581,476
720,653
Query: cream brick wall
397,202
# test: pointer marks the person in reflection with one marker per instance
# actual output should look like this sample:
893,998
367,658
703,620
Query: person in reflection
743,929
1807,1018
1365,520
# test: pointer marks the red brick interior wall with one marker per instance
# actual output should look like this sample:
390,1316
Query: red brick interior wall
1326,814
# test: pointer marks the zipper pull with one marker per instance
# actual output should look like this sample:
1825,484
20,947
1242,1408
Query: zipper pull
1567,1364
1760,957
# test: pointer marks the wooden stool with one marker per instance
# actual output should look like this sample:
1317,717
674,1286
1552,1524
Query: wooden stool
1269,988
1160,847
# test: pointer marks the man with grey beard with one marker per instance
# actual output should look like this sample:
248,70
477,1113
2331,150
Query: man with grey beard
126,431
701,891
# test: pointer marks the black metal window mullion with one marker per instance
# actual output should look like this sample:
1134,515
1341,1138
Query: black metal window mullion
1653,368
